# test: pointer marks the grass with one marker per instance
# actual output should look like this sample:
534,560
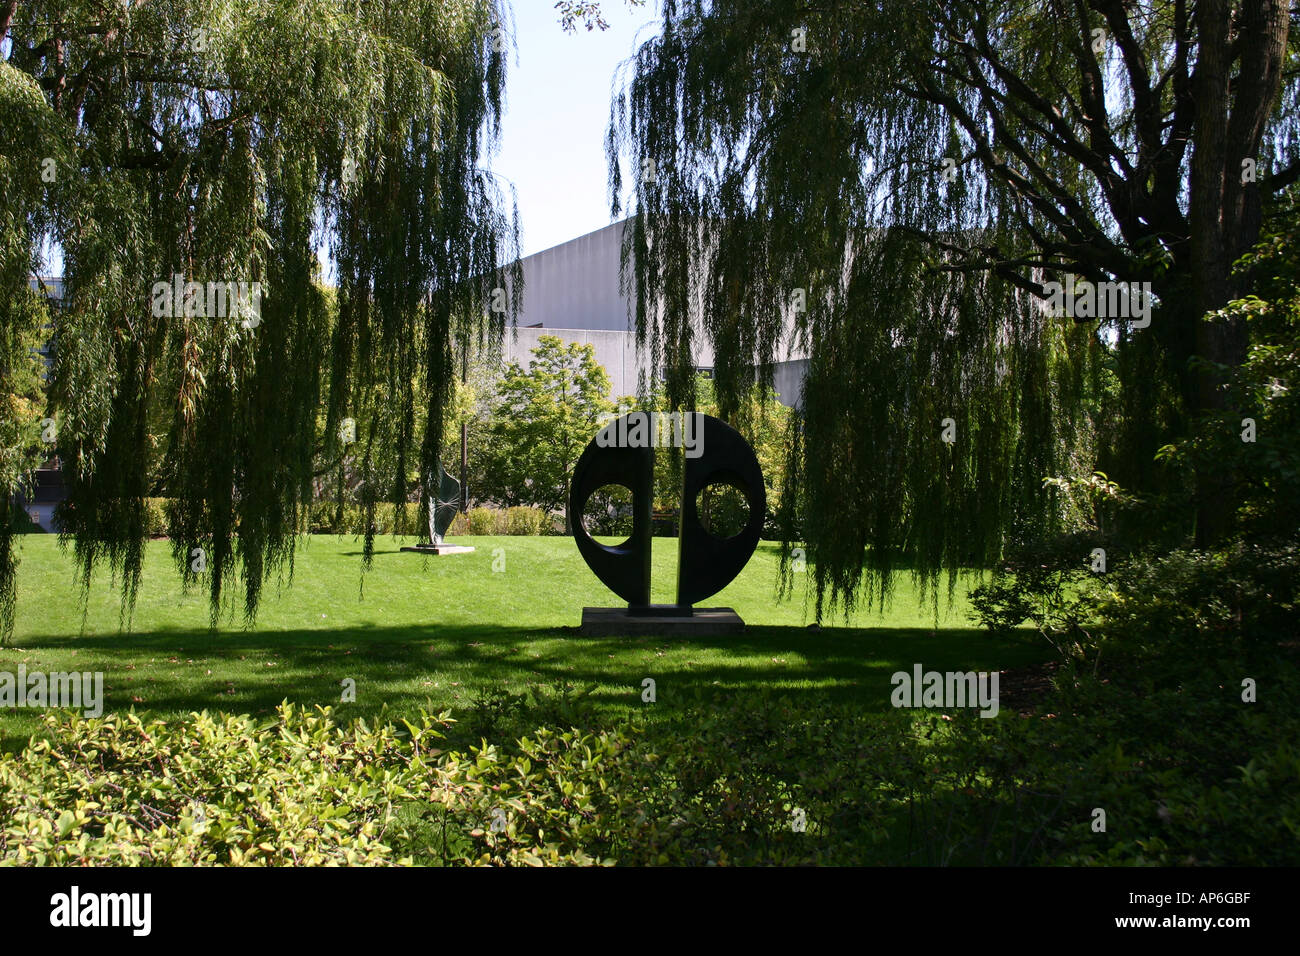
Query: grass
449,632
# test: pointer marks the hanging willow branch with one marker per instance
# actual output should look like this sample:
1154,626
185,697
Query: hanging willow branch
224,142
890,187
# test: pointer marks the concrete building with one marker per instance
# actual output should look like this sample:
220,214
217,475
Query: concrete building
572,291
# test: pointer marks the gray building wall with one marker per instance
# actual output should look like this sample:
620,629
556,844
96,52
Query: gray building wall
787,379
575,285
572,291
614,349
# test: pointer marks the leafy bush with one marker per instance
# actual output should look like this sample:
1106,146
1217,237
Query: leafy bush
758,780
326,517
1215,785
755,782
303,789
214,789
523,519
1247,592
157,522
1043,581
483,521
1219,787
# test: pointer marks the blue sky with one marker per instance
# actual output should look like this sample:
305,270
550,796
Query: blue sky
557,111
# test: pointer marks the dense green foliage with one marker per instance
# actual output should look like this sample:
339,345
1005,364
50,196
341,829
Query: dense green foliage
543,418
215,140
515,520
232,790
759,780
1148,577
892,188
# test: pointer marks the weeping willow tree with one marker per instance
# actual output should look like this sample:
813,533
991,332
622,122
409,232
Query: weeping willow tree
188,159
891,186
22,215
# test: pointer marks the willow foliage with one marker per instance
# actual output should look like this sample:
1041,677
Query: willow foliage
23,216
224,141
888,186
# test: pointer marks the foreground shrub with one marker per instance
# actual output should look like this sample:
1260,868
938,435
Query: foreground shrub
740,780
214,789
761,783
1045,582
1243,594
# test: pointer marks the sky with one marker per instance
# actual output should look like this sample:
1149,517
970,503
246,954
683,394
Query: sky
557,111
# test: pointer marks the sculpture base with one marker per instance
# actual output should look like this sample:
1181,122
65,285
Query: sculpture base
439,549
670,622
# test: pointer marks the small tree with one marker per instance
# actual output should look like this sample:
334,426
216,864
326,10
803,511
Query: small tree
761,418
545,416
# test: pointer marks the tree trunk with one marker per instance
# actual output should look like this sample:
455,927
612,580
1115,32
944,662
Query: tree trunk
1225,203
7,17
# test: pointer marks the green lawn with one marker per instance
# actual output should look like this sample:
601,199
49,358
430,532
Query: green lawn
443,632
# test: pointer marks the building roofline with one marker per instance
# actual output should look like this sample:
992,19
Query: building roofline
585,235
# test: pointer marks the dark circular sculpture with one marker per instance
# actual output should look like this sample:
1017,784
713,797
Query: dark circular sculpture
623,454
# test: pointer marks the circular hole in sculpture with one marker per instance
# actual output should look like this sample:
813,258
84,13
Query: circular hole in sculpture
607,515
723,509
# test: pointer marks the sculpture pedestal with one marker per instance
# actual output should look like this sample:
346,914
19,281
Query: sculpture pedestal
620,622
437,549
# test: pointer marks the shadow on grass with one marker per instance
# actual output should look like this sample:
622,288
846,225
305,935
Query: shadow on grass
403,669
